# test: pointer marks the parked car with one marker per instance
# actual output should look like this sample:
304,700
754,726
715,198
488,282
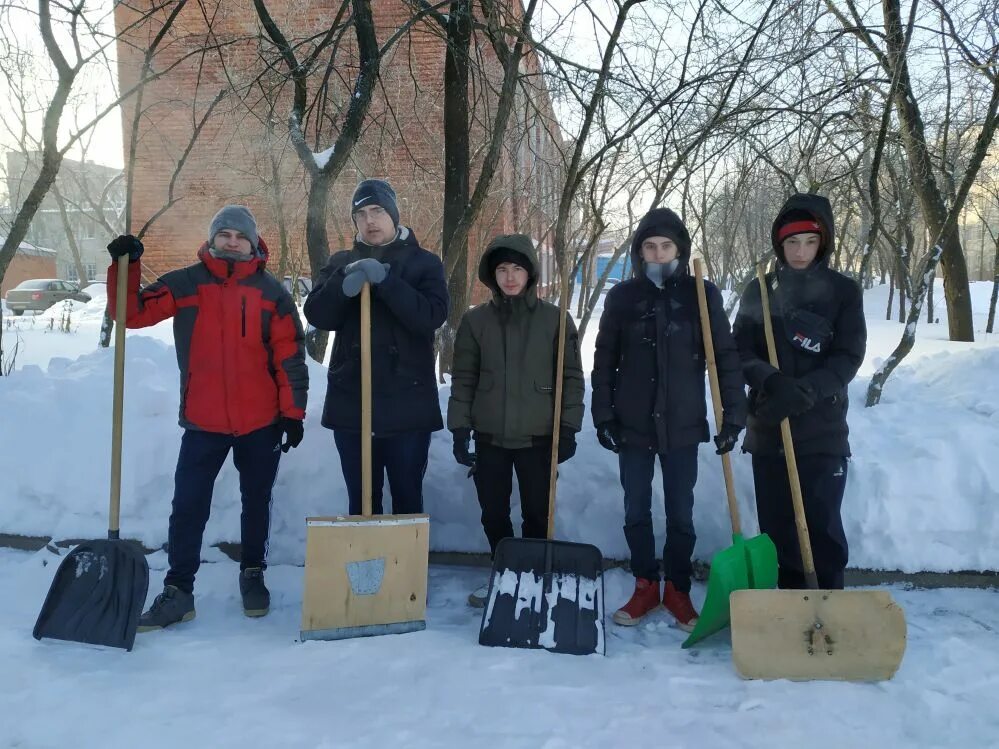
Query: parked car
39,294
304,286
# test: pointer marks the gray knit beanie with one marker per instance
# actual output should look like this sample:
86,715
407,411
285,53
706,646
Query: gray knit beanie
237,218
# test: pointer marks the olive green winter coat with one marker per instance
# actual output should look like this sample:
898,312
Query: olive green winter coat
503,374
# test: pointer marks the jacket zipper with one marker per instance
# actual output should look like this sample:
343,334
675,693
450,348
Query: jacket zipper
243,315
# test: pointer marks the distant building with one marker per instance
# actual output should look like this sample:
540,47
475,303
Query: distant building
28,262
89,193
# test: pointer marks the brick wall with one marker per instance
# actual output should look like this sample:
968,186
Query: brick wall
241,149
24,267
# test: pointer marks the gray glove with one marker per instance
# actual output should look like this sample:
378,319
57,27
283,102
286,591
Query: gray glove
356,273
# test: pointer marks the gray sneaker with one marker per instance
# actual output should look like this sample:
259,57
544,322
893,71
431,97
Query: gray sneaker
256,597
478,597
170,607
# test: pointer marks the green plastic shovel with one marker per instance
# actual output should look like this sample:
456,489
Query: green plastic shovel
747,563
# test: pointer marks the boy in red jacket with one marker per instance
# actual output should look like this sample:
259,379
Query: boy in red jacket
243,387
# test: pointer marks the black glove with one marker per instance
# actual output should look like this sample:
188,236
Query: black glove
725,439
566,444
125,244
463,447
784,396
609,436
292,430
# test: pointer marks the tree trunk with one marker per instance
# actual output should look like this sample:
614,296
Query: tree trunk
876,389
929,297
317,242
277,199
995,292
74,247
934,209
891,298
457,165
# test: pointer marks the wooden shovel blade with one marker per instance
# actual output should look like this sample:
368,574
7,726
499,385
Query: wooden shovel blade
804,635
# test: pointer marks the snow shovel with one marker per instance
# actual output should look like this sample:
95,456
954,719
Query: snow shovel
847,635
746,563
365,575
98,591
547,594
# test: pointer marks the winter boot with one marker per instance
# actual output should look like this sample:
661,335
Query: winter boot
478,597
170,607
642,601
256,597
678,604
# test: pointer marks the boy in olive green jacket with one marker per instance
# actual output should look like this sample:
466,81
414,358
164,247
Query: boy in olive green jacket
503,392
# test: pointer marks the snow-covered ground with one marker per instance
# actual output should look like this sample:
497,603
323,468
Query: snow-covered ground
226,681
923,492
923,495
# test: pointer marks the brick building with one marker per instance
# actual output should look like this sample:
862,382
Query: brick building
92,198
28,262
243,153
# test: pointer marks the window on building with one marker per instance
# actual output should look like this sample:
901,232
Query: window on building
91,271
70,273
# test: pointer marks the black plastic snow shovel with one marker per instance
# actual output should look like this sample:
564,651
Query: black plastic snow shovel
547,594
747,563
100,587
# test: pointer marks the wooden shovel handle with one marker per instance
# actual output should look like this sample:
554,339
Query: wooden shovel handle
118,395
716,401
559,363
785,432
366,399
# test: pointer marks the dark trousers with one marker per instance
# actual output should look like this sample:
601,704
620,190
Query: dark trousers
679,476
403,457
823,481
494,467
256,456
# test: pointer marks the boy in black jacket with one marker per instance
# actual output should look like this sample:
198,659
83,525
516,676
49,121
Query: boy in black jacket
409,301
649,400
821,337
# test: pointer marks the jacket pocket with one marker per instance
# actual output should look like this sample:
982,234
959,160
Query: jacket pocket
546,388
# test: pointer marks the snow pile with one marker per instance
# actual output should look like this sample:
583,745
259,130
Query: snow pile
922,494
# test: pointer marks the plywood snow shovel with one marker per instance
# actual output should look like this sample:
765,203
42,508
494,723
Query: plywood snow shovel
97,594
848,635
365,575
747,563
545,593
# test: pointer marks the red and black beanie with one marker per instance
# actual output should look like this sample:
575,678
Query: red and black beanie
799,222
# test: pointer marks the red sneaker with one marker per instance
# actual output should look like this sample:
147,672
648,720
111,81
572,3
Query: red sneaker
679,605
642,601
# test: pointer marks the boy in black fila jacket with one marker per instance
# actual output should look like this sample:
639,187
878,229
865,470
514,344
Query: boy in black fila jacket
821,337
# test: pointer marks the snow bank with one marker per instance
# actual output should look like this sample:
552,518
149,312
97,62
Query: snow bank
923,489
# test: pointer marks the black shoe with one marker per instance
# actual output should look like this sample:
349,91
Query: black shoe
256,597
170,607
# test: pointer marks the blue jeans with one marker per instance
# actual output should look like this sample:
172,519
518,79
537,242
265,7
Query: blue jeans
679,476
256,456
403,457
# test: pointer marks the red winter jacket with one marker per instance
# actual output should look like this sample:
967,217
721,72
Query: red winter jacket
240,345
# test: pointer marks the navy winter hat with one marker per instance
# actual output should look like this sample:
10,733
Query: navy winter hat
235,217
375,192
